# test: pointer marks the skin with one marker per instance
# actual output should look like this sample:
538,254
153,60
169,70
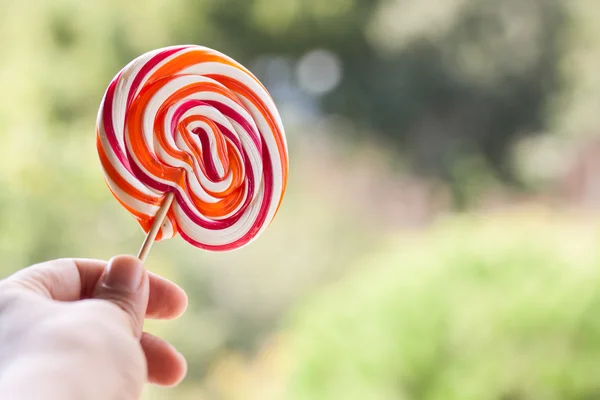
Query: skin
73,329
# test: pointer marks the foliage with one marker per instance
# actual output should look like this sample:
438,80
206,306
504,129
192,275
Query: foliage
439,83
496,308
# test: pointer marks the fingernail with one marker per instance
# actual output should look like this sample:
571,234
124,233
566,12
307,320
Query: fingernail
123,273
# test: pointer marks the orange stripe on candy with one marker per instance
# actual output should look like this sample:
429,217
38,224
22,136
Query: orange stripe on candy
221,208
255,100
122,183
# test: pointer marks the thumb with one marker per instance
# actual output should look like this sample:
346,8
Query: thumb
124,283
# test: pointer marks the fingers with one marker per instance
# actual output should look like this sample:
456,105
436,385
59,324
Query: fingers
125,283
58,279
167,300
74,279
166,366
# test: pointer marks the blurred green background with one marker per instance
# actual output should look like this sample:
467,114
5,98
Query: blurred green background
439,237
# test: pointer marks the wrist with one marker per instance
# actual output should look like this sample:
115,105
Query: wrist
37,352
39,376
10,331
35,372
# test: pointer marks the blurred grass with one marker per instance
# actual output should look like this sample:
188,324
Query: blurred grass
496,307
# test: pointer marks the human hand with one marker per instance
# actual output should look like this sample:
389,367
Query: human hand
72,329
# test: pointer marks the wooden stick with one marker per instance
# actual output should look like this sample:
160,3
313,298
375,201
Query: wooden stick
158,221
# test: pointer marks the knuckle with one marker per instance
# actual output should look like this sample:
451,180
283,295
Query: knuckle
8,298
101,307
98,328
112,312
121,309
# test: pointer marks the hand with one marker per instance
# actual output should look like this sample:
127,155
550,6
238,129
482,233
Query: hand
72,329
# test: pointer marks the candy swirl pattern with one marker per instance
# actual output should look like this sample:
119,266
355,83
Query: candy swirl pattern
191,121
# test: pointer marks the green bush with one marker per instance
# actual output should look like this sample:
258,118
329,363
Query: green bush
502,308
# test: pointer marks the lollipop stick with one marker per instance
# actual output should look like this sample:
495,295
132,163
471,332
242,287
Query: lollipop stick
158,221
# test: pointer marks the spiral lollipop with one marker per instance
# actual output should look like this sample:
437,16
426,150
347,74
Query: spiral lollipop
191,143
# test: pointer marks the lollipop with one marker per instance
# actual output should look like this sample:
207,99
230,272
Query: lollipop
191,143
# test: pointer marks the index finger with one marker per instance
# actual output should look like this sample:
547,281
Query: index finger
72,279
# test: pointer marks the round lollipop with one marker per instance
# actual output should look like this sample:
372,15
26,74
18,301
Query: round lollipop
191,143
